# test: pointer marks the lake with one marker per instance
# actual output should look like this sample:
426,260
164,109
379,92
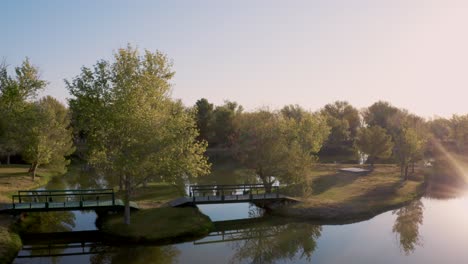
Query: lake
432,229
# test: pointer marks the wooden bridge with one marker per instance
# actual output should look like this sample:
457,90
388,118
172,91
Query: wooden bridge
64,200
231,193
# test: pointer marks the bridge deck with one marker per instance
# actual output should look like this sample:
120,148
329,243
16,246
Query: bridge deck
64,200
65,206
183,201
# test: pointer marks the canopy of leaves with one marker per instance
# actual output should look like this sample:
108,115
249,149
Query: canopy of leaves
47,136
374,142
15,95
131,125
278,147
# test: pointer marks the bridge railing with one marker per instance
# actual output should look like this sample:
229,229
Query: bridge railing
46,197
230,190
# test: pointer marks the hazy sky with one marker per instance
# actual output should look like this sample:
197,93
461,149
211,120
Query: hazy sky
412,53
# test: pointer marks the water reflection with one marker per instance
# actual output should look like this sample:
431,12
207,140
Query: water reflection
407,224
278,243
137,255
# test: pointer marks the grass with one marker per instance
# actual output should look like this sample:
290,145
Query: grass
341,196
14,178
154,195
160,225
10,244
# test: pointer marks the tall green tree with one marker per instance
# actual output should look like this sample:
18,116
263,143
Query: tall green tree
382,114
409,146
375,143
275,147
459,132
47,138
204,119
344,121
132,126
224,124
15,94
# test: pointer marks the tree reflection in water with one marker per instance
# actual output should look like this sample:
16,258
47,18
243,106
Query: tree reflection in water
406,226
263,244
136,255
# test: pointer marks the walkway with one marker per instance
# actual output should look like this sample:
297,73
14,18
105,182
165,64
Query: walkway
64,200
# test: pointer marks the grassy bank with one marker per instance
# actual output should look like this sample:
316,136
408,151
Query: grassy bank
347,196
14,178
10,244
160,225
154,195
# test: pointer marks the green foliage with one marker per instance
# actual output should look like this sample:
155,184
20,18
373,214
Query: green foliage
406,227
374,142
15,94
133,129
224,126
47,137
204,118
272,244
459,132
344,121
409,146
382,114
161,224
10,244
440,128
277,147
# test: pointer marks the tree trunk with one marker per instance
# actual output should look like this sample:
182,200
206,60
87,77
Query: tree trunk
406,172
120,183
402,170
8,159
127,202
266,183
33,170
412,168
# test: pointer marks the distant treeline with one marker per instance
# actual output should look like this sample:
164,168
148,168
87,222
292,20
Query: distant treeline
402,137
271,142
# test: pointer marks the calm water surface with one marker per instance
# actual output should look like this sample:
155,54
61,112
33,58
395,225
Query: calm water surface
426,231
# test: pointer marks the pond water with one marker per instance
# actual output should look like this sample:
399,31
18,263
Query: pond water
430,230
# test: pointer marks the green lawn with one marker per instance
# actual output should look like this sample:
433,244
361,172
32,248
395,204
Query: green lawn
15,177
335,195
10,244
160,225
154,195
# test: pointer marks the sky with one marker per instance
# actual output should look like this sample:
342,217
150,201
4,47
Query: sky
411,53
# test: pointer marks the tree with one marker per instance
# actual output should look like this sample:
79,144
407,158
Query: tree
409,146
344,121
15,93
375,143
223,125
295,112
459,132
440,130
275,147
133,128
47,138
382,114
204,119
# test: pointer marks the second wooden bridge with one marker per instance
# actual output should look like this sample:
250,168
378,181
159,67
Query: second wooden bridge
231,193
